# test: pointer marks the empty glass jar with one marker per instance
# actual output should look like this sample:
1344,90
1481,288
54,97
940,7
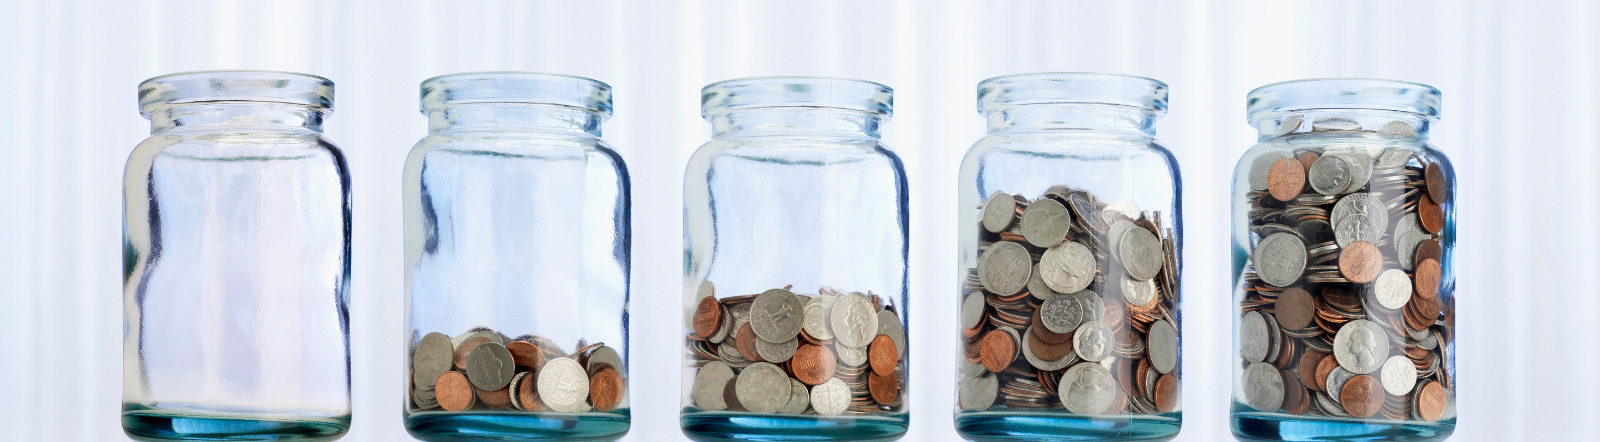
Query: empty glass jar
1343,239
236,252
795,228
1070,237
516,262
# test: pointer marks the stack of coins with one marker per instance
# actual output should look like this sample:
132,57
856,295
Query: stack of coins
780,352
1343,313
1070,306
484,370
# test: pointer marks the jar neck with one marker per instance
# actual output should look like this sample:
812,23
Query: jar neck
810,121
274,115
514,117
1084,117
1368,119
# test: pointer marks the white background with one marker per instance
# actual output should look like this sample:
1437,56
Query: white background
1520,111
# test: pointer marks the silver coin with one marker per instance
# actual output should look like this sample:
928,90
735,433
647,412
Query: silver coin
1393,289
1326,403
1045,223
1063,313
1087,215
1114,236
563,385
476,332
1263,387
1398,128
1355,228
1034,359
978,393
850,356
1036,285
971,311
1262,166
1280,259
490,367
999,211
1398,375
605,355
1092,341
433,356
971,368
1335,384
1364,204
1360,171
762,388
709,384
889,325
723,330
1408,234
775,315
1120,209
1253,339
730,354
1289,125
1141,254
1004,268
830,398
854,321
1330,174
1163,346
1138,293
1087,388
799,398
1068,267
1326,124
516,385
1393,157
1361,346
816,320
777,353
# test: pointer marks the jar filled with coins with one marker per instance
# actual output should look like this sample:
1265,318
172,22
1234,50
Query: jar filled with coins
1069,235
795,230
1343,237
236,245
516,262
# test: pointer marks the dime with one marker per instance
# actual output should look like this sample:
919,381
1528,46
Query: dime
708,385
454,392
1092,341
831,398
563,385
1360,262
799,398
1285,179
1063,313
762,388
1295,308
812,364
1167,395
1068,267
1045,223
707,316
972,309
1141,254
1253,339
1087,388
514,390
603,357
1362,396
1399,375
1263,387
1432,400
1004,268
816,321
525,354
1163,346
1330,175
432,357
490,366
1361,346
1261,168
1280,259
889,325
854,321
999,211
777,353
885,389
775,315
997,349
1356,228
1392,291
883,356
978,393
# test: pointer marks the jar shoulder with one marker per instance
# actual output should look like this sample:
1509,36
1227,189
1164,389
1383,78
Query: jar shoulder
236,143
799,149
1082,147
514,145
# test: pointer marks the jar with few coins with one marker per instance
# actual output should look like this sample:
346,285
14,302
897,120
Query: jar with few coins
1343,241
1069,231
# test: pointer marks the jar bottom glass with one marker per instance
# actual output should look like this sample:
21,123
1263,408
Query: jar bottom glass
516,425
1275,427
153,424
745,426
1014,425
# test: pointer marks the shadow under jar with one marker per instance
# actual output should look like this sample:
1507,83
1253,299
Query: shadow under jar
517,254
795,229
1343,238
1070,235
236,252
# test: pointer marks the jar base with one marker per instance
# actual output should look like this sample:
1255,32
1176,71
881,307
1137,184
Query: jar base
516,425
1256,426
151,424
1015,425
739,426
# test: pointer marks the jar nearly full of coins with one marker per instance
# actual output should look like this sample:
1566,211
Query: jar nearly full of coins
1069,236
516,252
795,265
1343,238
236,245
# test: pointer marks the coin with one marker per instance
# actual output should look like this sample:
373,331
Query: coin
972,309
1083,206
1141,254
854,321
515,390
708,384
882,355
1430,214
816,319
1362,396
1054,357
1263,387
1045,223
1399,375
707,316
1087,388
1435,182
1408,234
1355,228
1280,259
1063,313
525,354
776,353
1399,128
745,340
997,349
1295,398
490,366
1167,395
812,364
1295,308
1068,267
885,389
830,398
1004,268
1392,290
799,398
999,211
465,349
454,392
1253,339
1261,169
850,357
603,357
775,315
1363,204
1306,369
432,357
889,325
563,385
1432,399
1138,293
1285,179
1360,262
1427,279
1163,346
1361,346
498,399
762,388
1114,236
605,389
1330,175
978,393
1360,169
1092,341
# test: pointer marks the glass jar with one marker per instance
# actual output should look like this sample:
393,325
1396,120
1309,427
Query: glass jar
1070,234
1343,238
516,262
236,262
795,250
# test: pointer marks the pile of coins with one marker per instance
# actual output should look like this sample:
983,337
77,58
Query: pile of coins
1070,306
485,370
780,352
1342,310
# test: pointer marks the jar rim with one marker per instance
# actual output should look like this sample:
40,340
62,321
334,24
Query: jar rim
1310,94
1008,91
285,87
516,87
796,91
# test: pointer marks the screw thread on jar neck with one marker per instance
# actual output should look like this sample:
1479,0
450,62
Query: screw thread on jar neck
515,116
810,121
1084,117
244,114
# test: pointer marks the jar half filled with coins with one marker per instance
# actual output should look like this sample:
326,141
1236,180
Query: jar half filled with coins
1070,246
1343,238
795,265
516,262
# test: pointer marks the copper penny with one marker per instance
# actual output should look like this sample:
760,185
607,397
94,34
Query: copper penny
1438,188
498,399
1046,351
1362,396
730,395
1427,279
1286,178
453,391
1296,400
1167,397
997,350
707,316
1306,159
1428,249
1360,262
526,355
528,394
1307,369
1049,337
1431,401
465,349
883,355
813,364
1430,214
605,389
1324,368
885,389
1295,308
745,341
